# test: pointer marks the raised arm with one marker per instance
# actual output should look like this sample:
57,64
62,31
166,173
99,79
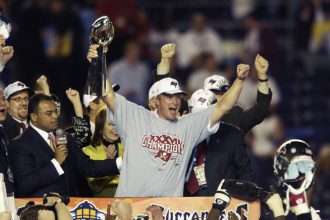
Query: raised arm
163,67
261,65
228,100
251,117
110,98
43,84
6,52
73,96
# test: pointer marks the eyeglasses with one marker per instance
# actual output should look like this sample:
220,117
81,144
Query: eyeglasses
20,99
50,113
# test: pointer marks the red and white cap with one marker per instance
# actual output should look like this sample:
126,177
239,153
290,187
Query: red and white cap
200,100
152,90
216,83
168,86
14,88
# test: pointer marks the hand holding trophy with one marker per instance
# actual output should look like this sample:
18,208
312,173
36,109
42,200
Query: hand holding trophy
102,33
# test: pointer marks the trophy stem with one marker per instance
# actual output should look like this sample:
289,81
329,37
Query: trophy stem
104,73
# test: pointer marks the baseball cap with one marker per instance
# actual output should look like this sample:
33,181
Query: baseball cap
169,86
200,100
216,83
152,90
89,98
14,88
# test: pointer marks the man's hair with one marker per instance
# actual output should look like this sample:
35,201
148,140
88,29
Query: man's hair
31,212
99,126
35,101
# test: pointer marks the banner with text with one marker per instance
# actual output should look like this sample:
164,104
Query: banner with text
174,208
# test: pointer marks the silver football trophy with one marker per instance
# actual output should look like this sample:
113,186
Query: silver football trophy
5,26
102,33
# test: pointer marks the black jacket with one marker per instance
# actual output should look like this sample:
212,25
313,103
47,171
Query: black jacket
226,157
247,119
11,127
4,162
35,174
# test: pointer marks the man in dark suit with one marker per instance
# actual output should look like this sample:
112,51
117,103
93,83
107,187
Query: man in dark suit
41,166
227,157
222,156
4,160
17,96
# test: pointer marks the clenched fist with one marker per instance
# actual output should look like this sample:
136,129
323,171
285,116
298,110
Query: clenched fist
242,71
261,65
73,95
168,50
6,53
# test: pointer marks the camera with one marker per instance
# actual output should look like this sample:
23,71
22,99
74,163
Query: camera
65,199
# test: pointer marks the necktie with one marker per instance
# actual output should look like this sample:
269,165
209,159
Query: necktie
52,142
22,126
192,184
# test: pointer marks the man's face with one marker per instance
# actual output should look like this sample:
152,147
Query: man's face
3,107
168,106
18,105
109,132
46,117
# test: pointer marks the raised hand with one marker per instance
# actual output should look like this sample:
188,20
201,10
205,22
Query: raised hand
92,52
73,95
168,50
52,198
6,52
43,84
261,65
243,71
122,209
110,216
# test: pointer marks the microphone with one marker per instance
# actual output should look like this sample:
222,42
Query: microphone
60,137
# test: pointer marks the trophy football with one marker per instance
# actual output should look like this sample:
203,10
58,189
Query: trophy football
5,26
101,33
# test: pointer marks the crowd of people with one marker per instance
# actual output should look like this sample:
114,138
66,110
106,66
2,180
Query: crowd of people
186,143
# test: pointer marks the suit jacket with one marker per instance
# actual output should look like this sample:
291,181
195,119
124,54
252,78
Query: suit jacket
11,127
247,119
4,162
35,174
226,157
